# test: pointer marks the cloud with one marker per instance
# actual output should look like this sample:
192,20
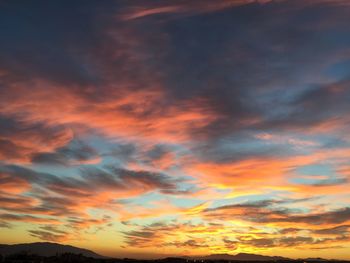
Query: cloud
48,198
200,236
280,241
4,224
93,180
338,230
73,154
231,245
187,8
214,106
26,218
268,212
138,238
167,235
331,217
191,243
48,236
20,138
69,46
214,109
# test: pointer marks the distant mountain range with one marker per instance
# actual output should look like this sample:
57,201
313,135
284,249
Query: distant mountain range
46,249
241,257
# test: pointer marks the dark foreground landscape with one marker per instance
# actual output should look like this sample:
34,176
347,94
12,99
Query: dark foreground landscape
57,253
69,257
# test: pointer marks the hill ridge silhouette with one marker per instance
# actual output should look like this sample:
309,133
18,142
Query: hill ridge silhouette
46,249
242,257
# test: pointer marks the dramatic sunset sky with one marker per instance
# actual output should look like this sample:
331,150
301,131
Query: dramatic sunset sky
143,128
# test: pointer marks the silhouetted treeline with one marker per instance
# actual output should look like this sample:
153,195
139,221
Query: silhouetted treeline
25,257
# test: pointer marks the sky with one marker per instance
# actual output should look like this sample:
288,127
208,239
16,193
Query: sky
148,128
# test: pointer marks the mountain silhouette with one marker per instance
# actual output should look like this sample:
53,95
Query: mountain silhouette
242,257
46,249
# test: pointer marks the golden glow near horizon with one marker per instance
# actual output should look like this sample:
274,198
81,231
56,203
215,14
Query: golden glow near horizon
158,128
